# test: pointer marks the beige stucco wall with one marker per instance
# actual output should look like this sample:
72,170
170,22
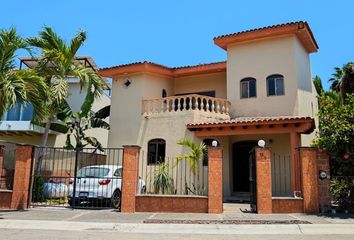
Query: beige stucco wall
306,92
259,59
202,83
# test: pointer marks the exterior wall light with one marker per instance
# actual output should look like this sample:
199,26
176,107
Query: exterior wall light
261,143
214,143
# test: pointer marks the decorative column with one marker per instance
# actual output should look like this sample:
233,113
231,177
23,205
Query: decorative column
264,180
130,178
215,180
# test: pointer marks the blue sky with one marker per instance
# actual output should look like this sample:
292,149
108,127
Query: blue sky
180,32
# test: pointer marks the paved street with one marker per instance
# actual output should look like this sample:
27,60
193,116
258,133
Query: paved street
65,223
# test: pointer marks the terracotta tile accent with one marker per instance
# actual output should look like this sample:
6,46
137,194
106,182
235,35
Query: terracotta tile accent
295,205
172,204
215,180
264,181
130,178
309,175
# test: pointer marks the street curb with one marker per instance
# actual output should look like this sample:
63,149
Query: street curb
274,229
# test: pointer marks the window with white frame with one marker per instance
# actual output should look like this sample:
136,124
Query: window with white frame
248,88
275,85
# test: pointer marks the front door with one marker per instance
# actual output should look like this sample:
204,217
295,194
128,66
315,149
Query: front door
240,157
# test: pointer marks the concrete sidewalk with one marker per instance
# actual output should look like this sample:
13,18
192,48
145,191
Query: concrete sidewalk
232,212
295,229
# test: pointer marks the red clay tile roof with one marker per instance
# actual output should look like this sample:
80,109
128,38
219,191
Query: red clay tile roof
249,120
163,70
301,29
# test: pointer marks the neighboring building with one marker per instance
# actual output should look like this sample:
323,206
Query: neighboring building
16,126
262,91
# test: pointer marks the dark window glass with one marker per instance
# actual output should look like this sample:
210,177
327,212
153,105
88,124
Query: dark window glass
248,88
275,85
14,113
27,112
252,88
156,151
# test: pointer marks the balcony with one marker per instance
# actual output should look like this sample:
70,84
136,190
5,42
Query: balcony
187,103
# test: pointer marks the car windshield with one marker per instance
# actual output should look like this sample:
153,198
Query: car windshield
93,172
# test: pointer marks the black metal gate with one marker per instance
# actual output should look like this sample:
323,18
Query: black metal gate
253,182
79,179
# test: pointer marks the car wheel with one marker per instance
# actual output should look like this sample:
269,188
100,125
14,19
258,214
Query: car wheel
116,199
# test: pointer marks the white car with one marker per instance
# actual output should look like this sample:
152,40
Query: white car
99,183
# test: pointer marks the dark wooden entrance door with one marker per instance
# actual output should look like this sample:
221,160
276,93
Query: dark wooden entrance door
240,157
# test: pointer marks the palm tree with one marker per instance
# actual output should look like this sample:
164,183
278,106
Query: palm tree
194,156
347,81
75,124
336,79
57,62
18,86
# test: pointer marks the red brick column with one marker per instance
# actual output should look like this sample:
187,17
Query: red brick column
264,180
324,193
22,177
215,180
309,175
130,178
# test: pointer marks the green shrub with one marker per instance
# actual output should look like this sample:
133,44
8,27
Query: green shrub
342,189
37,190
163,183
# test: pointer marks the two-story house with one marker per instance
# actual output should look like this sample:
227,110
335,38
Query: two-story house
263,90
16,124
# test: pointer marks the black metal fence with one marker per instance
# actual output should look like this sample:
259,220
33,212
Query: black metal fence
281,175
7,165
88,178
173,176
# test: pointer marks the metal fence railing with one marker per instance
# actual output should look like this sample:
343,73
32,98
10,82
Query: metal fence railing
281,175
86,178
173,176
7,165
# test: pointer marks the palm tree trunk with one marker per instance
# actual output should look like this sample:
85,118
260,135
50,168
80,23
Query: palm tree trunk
43,144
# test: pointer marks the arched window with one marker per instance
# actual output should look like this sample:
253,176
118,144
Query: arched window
164,93
156,151
208,143
275,85
248,87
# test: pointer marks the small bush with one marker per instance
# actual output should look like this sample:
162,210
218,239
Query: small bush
342,189
37,190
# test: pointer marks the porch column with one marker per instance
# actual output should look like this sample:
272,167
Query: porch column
130,178
215,180
264,180
295,162
22,175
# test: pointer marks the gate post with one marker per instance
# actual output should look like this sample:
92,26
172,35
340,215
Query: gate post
215,180
129,178
309,175
22,177
264,180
